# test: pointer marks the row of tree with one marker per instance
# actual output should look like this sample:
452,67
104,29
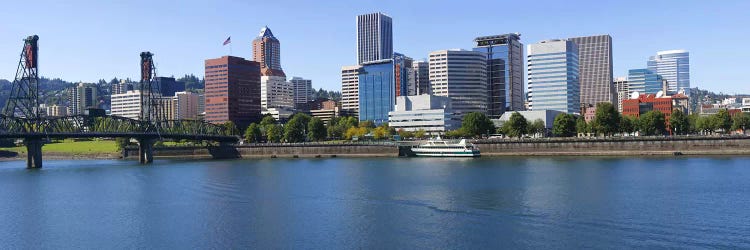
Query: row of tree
301,128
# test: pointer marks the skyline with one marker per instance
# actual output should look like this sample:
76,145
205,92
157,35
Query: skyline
183,36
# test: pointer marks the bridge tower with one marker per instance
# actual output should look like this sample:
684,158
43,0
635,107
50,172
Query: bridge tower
24,95
24,99
151,114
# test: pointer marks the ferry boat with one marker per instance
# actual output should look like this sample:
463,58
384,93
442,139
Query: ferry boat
440,148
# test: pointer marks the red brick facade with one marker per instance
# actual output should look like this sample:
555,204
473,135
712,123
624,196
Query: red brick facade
232,91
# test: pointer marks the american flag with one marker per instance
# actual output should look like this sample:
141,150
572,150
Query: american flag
228,41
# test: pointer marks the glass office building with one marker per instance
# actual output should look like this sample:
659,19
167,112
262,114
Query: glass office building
644,81
553,76
673,66
377,91
504,72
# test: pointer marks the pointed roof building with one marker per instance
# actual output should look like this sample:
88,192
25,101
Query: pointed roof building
267,51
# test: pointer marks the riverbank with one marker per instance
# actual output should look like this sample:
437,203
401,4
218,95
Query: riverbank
624,146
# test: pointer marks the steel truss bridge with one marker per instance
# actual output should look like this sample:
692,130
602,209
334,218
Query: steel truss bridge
21,118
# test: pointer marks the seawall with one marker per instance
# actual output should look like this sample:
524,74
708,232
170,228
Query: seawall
278,150
617,146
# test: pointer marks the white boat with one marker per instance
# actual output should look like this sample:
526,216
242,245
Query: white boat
440,148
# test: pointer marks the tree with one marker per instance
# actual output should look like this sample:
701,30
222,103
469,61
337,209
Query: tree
267,120
252,133
476,124
517,125
121,142
537,128
693,123
367,124
722,120
606,119
705,125
231,128
679,123
316,131
294,129
420,134
581,126
404,134
381,132
273,133
741,121
564,125
652,123
355,131
458,133
627,124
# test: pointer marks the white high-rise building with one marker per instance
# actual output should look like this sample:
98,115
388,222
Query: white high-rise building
350,88
673,66
302,90
374,37
276,92
460,75
623,91
553,76
127,104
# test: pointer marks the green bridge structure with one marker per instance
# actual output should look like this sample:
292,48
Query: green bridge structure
21,118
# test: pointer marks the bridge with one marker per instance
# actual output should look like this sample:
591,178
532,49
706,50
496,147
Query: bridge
21,118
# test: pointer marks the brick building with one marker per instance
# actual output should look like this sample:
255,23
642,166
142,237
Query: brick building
232,91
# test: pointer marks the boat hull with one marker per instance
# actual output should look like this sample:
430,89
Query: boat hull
447,154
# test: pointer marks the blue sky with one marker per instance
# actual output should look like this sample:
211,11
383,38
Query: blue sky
90,40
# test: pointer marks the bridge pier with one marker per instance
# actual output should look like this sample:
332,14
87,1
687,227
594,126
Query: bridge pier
145,151
33,153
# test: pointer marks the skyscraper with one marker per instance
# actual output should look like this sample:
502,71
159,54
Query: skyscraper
401,70
82,97
350,88
267,52
419,79
644,81
673,66
302,91
374,37
168,86
377,91
623,91
595,69
232,91
553,76
460,75
504,72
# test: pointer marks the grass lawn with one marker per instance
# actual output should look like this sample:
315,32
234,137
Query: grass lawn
77,147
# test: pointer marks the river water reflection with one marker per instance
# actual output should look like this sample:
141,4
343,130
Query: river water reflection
379,203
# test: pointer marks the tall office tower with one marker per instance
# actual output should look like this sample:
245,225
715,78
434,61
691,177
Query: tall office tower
377,91
623,91
401,70
168,86
350,88
267,52
81,97
553,76
595,69
504,72
644,81
121,87
419,79
673,66
374,37
232,91
302,91
460,75
185,105
276,92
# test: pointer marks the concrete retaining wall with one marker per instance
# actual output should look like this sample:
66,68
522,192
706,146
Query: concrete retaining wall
620,146
278,150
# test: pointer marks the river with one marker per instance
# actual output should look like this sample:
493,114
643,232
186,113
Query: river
379,203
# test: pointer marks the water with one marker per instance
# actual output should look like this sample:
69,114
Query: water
537,203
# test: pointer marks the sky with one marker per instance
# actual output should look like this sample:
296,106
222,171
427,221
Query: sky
92,40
